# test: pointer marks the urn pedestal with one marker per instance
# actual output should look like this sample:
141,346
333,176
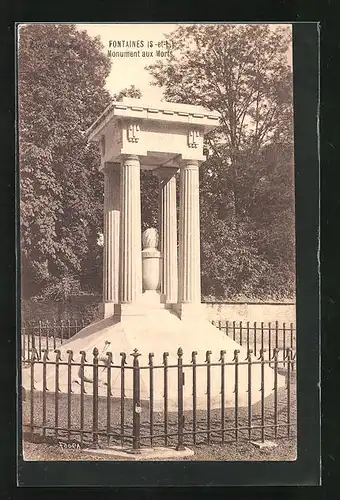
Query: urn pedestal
150,261
151,267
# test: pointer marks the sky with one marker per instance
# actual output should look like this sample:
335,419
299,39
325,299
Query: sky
131,71
127,71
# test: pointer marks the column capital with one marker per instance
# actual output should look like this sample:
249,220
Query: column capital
165,173
189,164
128,157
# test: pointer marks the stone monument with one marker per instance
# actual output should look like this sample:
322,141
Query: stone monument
152,298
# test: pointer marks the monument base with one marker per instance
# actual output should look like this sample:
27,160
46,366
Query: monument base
150,300
157,331
187,311
144,453
106,309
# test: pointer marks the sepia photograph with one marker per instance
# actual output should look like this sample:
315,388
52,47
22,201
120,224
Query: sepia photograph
157,242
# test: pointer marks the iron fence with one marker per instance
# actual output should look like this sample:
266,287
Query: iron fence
257,336
101,413
48,335
269,336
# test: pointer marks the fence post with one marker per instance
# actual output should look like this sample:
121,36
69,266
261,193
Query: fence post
95,398
276,334
262,361
54,333
194,417
122,397
222,359
69,391
32,359
250,361
151,355
136,406
47,334
284,344
293,361
45,359
180,380
33,341
56,391
28,329
23,342
39,340
208,361
275,358
236,361
291,336
109,362
289,363
165,364
82,392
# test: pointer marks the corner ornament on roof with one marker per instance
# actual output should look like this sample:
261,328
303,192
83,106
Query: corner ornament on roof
133,132
193,138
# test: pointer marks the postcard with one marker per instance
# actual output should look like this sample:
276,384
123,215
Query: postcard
157,242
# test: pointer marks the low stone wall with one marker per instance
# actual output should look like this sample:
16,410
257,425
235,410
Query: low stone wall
87,307
240,311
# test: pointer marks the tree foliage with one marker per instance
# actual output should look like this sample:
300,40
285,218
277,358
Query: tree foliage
247,199
61,78
246,183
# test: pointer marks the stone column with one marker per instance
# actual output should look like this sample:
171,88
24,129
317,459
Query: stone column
130,285
189,289
168,233
111,237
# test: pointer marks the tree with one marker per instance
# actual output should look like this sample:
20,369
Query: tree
61,84
61,78
247,212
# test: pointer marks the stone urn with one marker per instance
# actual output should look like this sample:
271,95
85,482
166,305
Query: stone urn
151,258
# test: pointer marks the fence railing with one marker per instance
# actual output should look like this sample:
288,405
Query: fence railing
257,336
51,335
95,409
48,335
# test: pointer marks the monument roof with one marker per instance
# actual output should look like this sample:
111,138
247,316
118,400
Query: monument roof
158,111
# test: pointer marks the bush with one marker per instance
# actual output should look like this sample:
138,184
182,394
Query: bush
79,307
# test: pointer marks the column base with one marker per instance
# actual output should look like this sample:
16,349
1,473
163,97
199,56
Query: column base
148,301
106,309
189,310
167,304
